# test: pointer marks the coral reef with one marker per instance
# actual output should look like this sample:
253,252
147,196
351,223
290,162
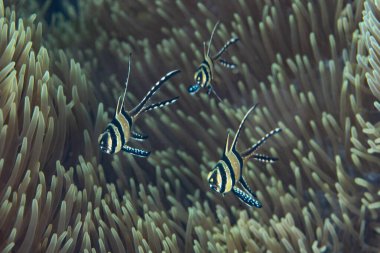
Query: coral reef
312,65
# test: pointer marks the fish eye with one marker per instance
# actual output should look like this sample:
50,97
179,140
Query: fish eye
199,78
211,178
103,139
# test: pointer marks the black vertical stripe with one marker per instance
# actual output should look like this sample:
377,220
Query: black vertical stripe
113,137
204,72
127,117
206,63
228,162
224,178
239,159
116,123
208,70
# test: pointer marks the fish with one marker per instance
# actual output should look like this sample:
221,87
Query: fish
228,171
203,75
119,131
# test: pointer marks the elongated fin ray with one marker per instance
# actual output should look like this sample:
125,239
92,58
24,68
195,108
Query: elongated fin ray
212,35
138,137
135,151
210,89
249,152
227,64
160,104
151,92
126,85
233,146
118,106
226,148
233,40
244,197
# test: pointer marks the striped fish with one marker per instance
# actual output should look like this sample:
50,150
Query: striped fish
203,75
120,130
228,170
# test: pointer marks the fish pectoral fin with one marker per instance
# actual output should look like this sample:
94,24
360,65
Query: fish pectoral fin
210,89
138,136
135,151
244,197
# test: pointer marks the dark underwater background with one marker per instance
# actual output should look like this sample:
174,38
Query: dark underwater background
313,67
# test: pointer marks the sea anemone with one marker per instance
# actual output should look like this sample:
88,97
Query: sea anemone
311,66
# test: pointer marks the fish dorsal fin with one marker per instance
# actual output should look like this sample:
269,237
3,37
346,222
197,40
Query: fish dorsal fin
233,146
121,106
204,50
212,35
226,148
